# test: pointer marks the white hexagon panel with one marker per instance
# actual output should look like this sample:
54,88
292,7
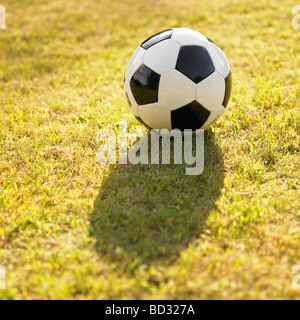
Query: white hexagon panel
175,90
135,61
211,92
187,37
213,117
219,59
156,116
162,57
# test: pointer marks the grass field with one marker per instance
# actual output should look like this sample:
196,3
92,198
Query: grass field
73,229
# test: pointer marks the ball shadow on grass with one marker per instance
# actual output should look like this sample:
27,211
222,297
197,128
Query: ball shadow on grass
150,213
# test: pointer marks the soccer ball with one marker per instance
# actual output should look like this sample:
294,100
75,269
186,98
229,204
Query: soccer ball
178,79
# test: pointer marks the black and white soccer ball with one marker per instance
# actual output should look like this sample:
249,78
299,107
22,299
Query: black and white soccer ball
178,78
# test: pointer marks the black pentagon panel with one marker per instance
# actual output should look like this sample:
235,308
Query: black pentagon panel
158,37
195,63
192,116
144,85
228,86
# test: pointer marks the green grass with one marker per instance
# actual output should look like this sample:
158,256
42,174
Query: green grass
73,229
